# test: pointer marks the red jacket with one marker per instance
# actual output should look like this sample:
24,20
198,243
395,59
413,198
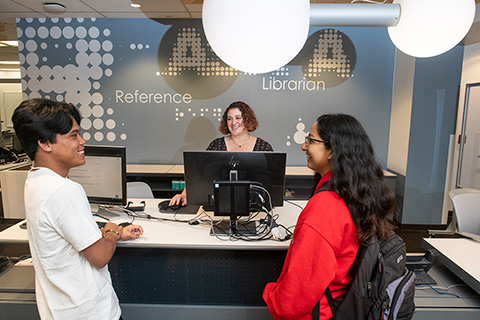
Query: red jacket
322,250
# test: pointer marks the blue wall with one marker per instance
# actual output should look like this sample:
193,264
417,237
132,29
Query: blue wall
97,63
434,110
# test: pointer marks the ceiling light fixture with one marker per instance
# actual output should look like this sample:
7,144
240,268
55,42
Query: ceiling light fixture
54,8
358,15
256,36
135,5
431,27
262,36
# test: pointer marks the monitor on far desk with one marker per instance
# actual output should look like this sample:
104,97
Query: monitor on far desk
104,175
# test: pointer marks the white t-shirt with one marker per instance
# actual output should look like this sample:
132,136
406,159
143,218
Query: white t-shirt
60,225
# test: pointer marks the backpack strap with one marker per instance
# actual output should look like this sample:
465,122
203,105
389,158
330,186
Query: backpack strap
354,269
325,187
331,302
316,311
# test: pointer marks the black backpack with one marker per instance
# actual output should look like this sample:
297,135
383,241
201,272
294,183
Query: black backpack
381,288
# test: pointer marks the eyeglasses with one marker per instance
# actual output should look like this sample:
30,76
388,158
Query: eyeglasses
309,140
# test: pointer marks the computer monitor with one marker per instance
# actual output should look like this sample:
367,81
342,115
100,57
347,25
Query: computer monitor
202,168
17,146
104,175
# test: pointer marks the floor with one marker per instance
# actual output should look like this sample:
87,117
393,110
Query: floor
411,234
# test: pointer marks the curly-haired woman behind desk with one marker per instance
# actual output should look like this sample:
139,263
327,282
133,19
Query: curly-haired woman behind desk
237,123
333,224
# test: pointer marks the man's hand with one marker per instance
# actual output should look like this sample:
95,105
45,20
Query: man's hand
130,232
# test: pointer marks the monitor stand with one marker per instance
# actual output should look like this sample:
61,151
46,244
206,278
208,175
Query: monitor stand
234,227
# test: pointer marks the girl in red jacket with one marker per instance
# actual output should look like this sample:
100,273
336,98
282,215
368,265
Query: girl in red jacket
333,224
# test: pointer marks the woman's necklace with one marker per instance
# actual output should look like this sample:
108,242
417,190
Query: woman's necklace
241,144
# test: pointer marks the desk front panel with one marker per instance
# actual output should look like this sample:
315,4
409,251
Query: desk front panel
194,276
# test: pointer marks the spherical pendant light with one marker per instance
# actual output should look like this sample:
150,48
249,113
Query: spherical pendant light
256,36
427,28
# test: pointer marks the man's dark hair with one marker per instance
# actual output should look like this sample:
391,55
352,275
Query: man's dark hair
41,120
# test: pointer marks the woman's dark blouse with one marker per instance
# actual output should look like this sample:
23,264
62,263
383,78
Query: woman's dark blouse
219,145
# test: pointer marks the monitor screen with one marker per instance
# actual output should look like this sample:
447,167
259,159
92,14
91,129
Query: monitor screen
17,146
204,167
104,175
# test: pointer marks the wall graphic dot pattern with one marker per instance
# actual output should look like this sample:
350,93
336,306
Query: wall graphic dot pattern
331,57
88,59
298,135
184,53
190,53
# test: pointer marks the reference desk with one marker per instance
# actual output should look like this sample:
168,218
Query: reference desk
179,271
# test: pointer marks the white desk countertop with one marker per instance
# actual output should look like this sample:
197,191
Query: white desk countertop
171,234
461,256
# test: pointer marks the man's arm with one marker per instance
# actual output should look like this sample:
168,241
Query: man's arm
101,252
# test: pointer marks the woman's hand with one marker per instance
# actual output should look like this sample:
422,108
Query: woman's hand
180,198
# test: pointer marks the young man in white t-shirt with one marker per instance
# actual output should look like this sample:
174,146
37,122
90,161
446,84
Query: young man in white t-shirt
70,253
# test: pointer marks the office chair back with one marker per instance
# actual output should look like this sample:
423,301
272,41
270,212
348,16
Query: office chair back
466,209
139,189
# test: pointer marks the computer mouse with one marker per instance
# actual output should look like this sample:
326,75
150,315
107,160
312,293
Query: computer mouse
166,208
175,207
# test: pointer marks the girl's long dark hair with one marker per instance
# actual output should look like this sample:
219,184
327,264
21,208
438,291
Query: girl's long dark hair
357,177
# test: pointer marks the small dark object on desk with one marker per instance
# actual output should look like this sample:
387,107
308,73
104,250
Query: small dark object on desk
101,224
23,225
124,224
175,207
136,207
164,205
